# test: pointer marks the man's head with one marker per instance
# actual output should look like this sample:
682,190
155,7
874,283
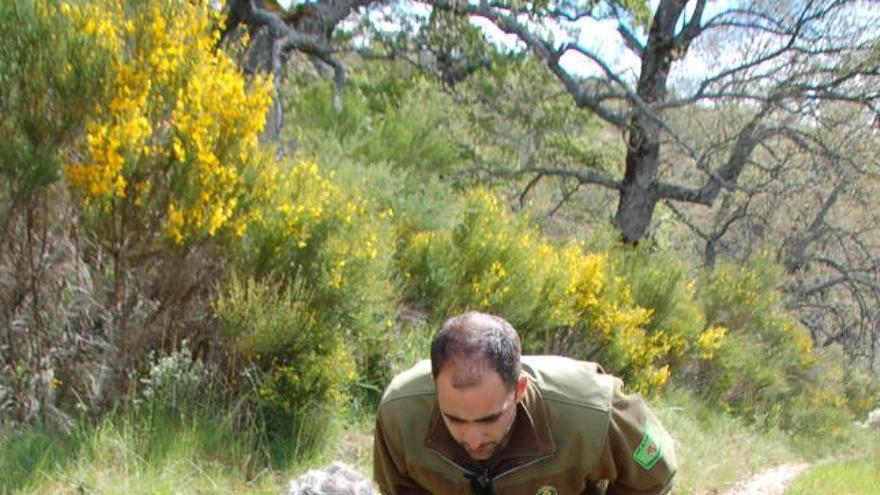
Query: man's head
475,360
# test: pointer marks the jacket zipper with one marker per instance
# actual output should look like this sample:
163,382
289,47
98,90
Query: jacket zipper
521,466
453,463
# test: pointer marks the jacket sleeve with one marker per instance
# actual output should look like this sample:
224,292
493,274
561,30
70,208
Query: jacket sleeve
389,470
639,456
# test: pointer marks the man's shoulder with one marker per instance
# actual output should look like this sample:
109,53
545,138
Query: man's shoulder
407,404
414,382
569,381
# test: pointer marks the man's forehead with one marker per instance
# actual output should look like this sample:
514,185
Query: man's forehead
473,403
466,372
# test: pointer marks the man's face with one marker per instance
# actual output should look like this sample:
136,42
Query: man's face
479,416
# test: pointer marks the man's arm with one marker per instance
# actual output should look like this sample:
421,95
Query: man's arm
639,457
389,469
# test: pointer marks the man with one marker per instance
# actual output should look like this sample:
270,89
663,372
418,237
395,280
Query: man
481,419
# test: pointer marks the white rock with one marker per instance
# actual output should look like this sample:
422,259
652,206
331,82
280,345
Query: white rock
336,479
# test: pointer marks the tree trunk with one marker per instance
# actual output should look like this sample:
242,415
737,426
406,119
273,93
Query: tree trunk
638,195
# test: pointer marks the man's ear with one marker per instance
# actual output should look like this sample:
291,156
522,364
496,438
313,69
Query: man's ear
521,386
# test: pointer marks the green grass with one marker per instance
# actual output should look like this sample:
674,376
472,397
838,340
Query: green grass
860,476
127,454
156,452
846,478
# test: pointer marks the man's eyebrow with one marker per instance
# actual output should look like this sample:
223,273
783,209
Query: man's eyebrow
485,419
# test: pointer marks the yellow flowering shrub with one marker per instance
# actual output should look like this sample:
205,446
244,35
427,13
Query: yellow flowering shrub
603,300
659,281
169,167
176,145
313,227
561,298
821,404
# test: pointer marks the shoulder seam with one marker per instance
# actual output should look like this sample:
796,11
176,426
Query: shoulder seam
564,400
607,395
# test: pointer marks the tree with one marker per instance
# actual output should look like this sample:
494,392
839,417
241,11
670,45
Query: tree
276,34
794,54
819,223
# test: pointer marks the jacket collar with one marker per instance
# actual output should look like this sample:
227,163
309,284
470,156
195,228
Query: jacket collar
530,437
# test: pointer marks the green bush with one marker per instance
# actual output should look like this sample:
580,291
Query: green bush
767,369
316,291
52,77
175,382
862,390
156,131
636,310
391,139
387,116
295,364
482,262
663,283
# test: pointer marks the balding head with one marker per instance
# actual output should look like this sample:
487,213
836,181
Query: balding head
475,342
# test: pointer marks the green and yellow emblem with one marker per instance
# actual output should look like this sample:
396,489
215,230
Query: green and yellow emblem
546,490
650,450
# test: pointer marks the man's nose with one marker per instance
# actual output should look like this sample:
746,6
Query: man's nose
473,436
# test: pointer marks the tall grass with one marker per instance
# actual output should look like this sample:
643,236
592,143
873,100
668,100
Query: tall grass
25,455
713,449
199,448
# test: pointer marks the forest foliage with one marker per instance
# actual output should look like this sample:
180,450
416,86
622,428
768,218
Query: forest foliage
144,219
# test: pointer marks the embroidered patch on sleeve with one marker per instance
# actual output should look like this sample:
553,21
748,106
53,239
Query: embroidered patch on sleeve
649,450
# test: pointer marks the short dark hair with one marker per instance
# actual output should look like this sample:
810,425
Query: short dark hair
481,338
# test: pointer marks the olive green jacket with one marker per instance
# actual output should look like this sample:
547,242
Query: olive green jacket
575,432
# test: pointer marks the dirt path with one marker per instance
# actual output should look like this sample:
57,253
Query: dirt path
770,482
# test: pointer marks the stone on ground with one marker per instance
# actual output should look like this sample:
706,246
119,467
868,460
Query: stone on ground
336,479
